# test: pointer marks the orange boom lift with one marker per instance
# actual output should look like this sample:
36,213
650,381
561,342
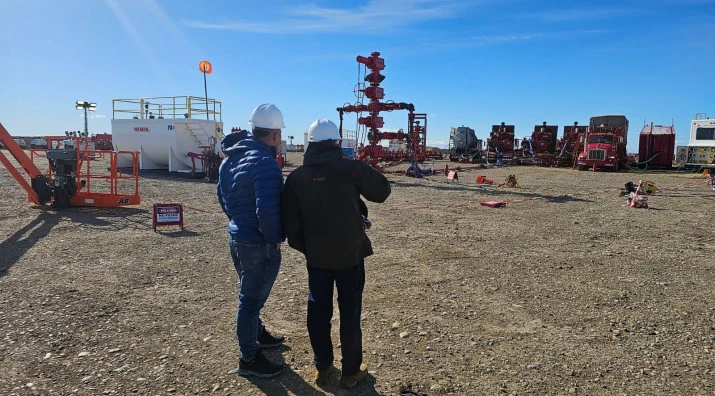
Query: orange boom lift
70,179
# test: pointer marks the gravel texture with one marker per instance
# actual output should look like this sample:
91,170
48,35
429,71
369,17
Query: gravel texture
563,291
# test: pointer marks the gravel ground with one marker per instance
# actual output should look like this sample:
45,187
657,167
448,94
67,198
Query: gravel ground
563,291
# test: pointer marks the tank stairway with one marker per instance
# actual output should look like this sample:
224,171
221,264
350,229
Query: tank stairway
194,131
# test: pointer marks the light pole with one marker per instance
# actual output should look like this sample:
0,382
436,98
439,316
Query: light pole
87,106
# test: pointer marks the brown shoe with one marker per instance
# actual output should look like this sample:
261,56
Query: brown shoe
323,376
352,380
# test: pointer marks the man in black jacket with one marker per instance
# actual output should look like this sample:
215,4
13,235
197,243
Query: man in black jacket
323,219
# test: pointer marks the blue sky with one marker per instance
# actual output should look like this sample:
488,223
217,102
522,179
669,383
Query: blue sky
473,63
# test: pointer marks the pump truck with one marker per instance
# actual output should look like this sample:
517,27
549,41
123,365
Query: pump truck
70,179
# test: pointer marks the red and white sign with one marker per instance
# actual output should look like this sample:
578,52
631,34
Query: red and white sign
168,214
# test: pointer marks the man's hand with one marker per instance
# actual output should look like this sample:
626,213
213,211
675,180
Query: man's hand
278,246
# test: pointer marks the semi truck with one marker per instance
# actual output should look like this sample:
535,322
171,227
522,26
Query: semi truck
605,143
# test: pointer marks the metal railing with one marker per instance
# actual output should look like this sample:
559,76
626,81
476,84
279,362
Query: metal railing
167,107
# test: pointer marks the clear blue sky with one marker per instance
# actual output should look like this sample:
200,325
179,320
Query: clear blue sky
472,63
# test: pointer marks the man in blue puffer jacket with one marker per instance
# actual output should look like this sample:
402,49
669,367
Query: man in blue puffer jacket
249,190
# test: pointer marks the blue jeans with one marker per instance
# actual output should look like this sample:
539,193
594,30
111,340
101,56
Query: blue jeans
350,283
257,266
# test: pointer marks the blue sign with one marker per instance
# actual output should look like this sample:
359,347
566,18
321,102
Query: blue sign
349,152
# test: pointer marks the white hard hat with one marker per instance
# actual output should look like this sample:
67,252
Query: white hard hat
323,129
267,116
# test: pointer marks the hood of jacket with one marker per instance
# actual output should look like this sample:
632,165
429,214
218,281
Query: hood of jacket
231,139
322,153
249,144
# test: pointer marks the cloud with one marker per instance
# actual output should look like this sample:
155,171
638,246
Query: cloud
91,115
140,42
315,19
574,14
496,39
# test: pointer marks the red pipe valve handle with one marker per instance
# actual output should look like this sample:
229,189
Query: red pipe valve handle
372,62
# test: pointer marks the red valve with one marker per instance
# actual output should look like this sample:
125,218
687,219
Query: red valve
375,92
374,62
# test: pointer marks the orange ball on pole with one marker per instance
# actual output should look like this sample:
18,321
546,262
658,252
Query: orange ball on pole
205,67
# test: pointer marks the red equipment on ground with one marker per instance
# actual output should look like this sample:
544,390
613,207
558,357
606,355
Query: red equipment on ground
69,180
373,152
570,145
543,144
102,141
500,145
484,180
209,160
657,146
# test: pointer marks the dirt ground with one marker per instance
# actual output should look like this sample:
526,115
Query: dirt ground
563,291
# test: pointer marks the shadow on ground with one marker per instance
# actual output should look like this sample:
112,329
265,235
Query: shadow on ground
110,219
289,382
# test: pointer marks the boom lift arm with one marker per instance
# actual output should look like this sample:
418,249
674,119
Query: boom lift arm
38,190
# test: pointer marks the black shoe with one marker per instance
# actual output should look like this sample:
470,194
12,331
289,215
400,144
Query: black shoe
267,340
259,367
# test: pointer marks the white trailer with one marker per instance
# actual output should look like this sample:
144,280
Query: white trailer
700,151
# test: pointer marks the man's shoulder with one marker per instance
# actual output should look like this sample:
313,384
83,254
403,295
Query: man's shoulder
297,172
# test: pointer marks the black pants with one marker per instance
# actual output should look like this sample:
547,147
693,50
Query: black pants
350,283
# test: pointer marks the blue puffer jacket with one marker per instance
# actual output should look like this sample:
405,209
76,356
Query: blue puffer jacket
249,189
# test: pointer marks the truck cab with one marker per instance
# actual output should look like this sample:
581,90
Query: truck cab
605,143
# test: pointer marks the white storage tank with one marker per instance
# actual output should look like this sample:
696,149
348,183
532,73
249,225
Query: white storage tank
164,130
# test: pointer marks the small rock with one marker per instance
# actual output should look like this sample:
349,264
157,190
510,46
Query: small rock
141,379
395,325
404,334
435,387
29,384
162,357
87,378
234,371
207,338
216,387
114,350
82,354
48,355
532,366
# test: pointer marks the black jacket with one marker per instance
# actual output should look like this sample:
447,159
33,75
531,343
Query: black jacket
321,206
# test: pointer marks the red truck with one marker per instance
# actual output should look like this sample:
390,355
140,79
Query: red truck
605,145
